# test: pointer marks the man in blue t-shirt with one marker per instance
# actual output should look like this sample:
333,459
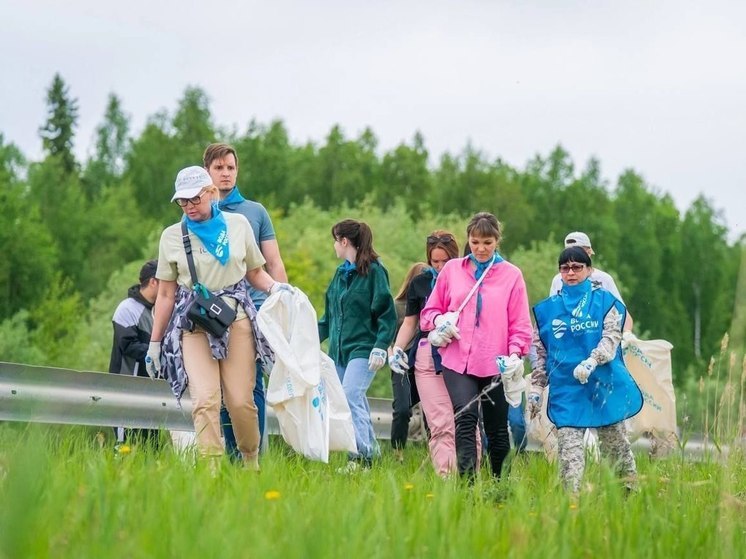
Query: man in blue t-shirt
221,162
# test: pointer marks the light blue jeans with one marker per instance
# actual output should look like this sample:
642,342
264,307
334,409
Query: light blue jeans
356,379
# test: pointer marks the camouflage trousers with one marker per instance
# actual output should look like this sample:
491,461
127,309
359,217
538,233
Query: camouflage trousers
614,446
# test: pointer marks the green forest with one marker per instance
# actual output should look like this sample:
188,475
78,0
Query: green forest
76,232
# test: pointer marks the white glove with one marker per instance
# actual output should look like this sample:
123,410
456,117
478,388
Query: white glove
438,338
279,286
399,362
533,403
153,360
376,360
627,337
451,317
509,367
445,326
584,369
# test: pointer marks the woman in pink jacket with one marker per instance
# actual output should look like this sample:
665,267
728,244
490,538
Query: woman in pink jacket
493,322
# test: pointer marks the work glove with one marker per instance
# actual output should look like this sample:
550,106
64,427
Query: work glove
279,286
153,360
438,338
447,323
399,362
627,337
376,360
584,369
509,367
533,403
445,330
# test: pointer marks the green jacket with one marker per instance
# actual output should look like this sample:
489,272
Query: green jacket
359,314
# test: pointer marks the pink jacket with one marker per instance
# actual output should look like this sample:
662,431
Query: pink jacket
504,322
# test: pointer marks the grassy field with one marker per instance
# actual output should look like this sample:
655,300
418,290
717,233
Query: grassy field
64,495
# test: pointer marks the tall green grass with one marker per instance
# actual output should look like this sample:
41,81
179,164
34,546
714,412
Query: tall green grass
62,494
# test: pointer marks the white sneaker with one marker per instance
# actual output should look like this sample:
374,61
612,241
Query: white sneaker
352,467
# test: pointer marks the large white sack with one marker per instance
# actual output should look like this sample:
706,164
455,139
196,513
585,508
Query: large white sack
309,403
649,362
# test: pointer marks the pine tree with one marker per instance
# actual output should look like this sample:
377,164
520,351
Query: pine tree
62,118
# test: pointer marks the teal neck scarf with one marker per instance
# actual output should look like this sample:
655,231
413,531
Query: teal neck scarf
482,267
213,233
434,274
234,197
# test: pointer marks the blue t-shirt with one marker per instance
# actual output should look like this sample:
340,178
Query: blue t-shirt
261,224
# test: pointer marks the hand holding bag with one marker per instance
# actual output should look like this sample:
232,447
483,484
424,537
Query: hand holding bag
207,310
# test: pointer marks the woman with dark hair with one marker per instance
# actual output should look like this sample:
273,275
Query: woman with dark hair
441,247
477,313
577,341
403,386
360,321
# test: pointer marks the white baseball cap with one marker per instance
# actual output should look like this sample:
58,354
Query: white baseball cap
190,181
578,238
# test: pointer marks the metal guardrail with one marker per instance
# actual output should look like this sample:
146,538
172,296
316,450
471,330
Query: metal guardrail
64,396
53,395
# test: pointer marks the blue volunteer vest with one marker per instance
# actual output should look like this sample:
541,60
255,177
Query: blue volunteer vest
570,326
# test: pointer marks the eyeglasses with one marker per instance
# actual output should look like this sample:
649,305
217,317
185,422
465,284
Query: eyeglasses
434,239
567,268
184,201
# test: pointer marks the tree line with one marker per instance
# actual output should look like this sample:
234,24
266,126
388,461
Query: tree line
70,228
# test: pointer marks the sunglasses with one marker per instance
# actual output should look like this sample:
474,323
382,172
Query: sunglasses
434,239
566,269
184,201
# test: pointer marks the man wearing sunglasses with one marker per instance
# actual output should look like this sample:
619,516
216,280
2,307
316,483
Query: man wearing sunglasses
221,162
599,278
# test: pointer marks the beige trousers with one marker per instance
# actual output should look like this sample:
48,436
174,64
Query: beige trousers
236,375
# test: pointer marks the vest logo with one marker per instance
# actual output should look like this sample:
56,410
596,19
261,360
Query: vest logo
577,312
558,328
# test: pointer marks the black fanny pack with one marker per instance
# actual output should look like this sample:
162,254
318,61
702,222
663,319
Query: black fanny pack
207,310
210,312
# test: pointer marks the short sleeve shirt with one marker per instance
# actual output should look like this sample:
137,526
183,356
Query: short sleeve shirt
244,256
418,292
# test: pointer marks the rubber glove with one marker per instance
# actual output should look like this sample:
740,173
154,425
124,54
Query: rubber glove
376,360
153,360
533,403
399,362
584,369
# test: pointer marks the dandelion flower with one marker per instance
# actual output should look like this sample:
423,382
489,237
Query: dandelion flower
272,495
124,449
573,506
429,495
409,486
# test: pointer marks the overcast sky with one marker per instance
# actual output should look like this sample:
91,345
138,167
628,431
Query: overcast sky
656,86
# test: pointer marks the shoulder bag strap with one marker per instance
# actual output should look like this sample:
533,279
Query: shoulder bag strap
476,286
188,249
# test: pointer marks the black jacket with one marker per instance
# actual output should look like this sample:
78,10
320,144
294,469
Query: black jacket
133,323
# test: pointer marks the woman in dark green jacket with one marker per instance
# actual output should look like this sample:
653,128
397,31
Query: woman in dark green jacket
359,321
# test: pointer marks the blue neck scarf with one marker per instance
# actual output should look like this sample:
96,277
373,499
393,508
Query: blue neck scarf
482,267
234,197
347,267
213,233
575,298
433,273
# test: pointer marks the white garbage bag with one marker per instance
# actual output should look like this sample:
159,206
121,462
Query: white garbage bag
304,389
649,363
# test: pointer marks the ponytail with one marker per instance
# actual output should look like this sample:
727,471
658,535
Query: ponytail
361,238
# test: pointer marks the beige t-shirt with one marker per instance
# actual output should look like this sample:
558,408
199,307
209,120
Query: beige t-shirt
244,255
